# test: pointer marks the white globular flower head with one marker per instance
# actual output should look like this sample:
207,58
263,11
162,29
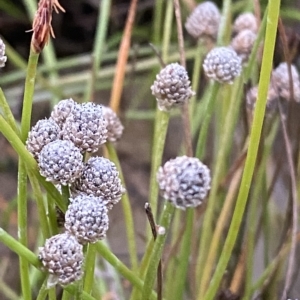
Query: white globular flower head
3,58
87,219
172,87
245,21
62,258
62,110
41,134
86,127
272,98
281,81
100,178
114,125
204,21
60,162
243,43
184,181
222,64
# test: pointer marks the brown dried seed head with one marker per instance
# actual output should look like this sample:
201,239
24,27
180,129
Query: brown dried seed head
41,25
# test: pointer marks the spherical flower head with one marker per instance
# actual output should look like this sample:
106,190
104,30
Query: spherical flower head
184,181
243,43
272,99
62,110
172,87
3,58
222,64
86,127
114,125
204,21
245,21
100,178
62,257
60,162
281,81
87,219
41,134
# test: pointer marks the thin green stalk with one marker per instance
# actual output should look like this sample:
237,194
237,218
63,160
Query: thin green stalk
196,76
209,109
99,45
52,215
52,294
228,127
22,229
40,206
180,279
66,295
19,249
89,268
157,22
121,268
7,113
253,208
273,13
43,292
157,250
28,94
224,27
161,127
127,211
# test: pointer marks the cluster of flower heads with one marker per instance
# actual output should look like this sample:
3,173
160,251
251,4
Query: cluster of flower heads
223,64
58,145
184,181
281,86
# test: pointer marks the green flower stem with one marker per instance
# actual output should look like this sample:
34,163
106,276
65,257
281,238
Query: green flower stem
253,208
203,269
157,250
99,45
273,13
196,76
22,229
183,260
157,22
7,113
52,294
105,252
19,249
127,211
43,292
28,94
209,110
161,127
224,27
40,206
89,268
52,215
65,193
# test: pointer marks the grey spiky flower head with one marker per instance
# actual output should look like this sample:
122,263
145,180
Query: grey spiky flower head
172,87
87,219
62,257
100,178
62,110
3,58
272,99
204,21
243,43
41,134
60,162
281,82
114,125
222,64
85,126
245,21
184,181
